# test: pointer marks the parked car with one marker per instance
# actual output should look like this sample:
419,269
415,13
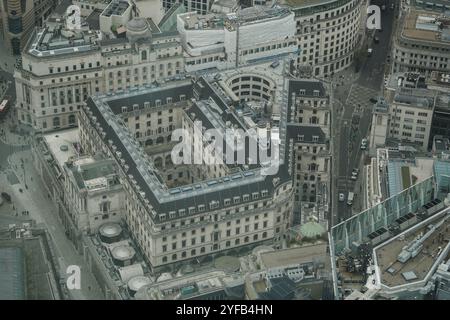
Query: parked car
373,100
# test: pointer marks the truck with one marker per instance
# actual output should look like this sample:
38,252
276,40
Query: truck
350,197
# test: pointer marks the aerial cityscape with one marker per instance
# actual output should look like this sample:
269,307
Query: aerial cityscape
225,150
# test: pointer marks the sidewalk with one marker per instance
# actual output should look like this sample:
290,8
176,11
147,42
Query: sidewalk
13,134
7,60
35,200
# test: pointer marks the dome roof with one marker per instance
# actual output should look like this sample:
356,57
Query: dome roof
138,282
110,229
312,229
137,25
123,252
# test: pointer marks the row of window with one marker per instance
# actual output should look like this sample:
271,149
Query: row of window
215,204
193,252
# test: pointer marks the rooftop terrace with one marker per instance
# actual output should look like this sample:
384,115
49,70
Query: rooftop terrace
395,273
423,25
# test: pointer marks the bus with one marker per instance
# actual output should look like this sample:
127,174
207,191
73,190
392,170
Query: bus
4,106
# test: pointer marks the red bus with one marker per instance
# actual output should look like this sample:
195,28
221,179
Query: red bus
4,106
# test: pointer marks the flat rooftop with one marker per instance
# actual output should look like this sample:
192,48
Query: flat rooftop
194,20
55,39
305,3
92,174
291,256
58,141
420,25
394,273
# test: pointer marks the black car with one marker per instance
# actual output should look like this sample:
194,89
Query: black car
373,100
6,196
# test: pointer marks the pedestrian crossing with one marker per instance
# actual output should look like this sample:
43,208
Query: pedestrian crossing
360,95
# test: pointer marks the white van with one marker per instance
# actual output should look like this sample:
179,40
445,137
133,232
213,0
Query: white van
350,198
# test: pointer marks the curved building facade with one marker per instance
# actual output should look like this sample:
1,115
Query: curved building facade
328,33
252,87
420,45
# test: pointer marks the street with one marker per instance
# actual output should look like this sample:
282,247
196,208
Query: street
353,119
19,179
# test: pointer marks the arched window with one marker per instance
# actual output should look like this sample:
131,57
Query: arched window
158,162
168,160
159,140
174,257
149,142
56,122
104,207
72,119
144,55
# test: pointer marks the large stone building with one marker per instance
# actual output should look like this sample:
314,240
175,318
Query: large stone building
18,20
62,67
415,109
194,213
85,189
422,43
410,117
309,117
328,33
222,41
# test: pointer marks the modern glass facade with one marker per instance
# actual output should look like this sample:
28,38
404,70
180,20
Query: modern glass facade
442,174
357,228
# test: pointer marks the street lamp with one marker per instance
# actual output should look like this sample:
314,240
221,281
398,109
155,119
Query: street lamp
24,176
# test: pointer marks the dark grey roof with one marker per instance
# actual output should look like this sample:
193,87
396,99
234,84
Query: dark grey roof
158,94
12,274
93,20
112,41
282,288
308,132
166,34
309,86
201,195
